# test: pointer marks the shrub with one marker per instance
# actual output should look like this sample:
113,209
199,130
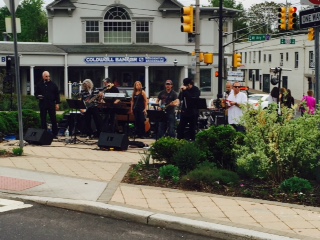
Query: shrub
217,143
188,156
3,125
296,185
169,172
17,151
205,175
164,149
11,122
3,152
278,147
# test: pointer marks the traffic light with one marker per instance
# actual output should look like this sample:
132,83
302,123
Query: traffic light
282,18
311,34
10,65
216,74
200,56
208,58
187,19
237,60
292,19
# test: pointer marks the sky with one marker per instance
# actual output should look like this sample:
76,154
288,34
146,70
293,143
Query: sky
246,3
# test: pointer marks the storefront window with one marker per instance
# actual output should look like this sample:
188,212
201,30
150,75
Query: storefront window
205,79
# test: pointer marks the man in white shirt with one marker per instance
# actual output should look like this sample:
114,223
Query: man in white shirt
234,101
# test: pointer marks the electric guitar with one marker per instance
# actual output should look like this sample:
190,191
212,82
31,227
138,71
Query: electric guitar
165,106
91,101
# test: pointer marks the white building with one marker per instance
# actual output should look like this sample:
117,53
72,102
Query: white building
125,40
259,56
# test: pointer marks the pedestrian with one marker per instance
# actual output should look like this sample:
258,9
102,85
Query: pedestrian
189,114
289,99
235,100
308,102
139,106
49,99
274,95
168,101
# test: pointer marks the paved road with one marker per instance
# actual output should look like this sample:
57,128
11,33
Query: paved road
34,221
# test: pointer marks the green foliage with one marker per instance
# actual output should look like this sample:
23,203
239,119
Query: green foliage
169,172
217,143
145,158
188,156
164,149
278,147
296,185
3,152
207,174
17,151
10,122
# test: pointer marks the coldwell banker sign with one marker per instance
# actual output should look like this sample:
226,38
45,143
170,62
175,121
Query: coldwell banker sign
115,60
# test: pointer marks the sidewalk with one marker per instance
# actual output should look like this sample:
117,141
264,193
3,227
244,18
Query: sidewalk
84,178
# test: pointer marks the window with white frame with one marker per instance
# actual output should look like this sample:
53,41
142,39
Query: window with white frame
281,59
117,26
142,31
264,57
296,60
259,56
311,59
287,56
270,58
92,31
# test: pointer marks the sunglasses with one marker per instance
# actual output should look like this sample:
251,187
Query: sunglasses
237,86
168,84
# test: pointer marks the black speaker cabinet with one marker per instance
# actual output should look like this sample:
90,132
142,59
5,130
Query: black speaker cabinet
38,136
113,140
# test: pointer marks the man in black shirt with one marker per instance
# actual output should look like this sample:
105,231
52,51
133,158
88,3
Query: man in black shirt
109,111
189,115
168,101
49,99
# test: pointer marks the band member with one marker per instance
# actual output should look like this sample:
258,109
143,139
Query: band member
90,96
139,106
49,99
189,115
109,112
168,101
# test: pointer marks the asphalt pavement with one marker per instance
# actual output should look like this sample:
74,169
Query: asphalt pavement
83,177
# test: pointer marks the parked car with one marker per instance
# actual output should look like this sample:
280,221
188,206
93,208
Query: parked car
258,100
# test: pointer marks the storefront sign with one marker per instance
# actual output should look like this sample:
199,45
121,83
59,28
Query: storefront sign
96,60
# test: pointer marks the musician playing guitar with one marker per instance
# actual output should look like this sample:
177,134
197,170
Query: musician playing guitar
110,116
168,101
90,96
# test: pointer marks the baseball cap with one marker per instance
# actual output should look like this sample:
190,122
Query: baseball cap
108,80
169,82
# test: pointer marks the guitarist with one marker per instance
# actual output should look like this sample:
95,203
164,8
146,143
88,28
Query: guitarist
88,93
110,115
168,101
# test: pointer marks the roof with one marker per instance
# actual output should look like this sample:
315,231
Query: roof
30,48
170,5
61,4
138,49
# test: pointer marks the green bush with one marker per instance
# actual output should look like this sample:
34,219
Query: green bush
208,175
188,156
164,149
11,122
278,147
3,125
296,185
3,152
218,142
170,172
17,151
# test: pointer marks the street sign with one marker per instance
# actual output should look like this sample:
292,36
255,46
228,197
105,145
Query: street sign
235,73
258,37
238,79
309,18
16,3
287,41
309,2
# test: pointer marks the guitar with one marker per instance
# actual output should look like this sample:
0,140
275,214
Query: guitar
90,102
147,125
165,106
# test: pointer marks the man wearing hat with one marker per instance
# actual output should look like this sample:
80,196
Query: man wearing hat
189,115
168,101
109,112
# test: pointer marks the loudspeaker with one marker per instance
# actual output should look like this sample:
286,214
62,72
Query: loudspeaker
38,136
113,140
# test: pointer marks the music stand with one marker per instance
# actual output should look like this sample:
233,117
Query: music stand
76,105
156,117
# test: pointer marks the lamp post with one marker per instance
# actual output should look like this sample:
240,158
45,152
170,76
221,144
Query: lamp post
175,63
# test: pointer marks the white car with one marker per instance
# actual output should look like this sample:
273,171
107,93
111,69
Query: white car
259,99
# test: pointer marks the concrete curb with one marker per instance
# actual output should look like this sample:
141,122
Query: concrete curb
155,219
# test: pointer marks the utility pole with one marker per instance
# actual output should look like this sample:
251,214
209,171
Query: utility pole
220,59
197,43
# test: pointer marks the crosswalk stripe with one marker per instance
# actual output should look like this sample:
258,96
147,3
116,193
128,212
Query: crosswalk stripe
9,205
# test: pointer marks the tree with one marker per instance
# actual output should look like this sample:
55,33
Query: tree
264,14
240,21
34,22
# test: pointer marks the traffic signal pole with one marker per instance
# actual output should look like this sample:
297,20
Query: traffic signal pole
197,43
317,64
221,49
